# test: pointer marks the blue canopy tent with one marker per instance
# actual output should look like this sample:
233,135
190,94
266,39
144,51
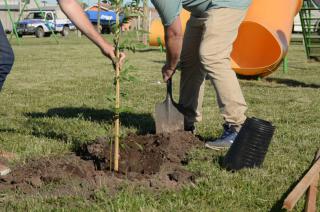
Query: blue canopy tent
106,17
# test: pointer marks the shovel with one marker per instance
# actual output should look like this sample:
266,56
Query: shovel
168,118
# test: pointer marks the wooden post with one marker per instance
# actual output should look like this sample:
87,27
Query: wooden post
311,200
302,186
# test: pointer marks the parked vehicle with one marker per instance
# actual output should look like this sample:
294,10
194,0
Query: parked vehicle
107,19
43,23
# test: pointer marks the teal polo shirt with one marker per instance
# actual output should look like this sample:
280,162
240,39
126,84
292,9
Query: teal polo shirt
170,9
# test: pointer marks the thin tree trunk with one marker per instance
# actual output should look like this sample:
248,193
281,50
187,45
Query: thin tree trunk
117,102
117,118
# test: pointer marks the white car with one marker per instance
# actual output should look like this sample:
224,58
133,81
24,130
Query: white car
42,23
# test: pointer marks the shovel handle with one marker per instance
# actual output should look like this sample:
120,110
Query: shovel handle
169,89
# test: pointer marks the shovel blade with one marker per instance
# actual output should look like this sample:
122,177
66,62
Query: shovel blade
168,118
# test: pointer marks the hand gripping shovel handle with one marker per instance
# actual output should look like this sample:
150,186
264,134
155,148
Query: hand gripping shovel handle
169,90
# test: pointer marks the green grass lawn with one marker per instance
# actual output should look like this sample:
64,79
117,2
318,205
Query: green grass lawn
56,97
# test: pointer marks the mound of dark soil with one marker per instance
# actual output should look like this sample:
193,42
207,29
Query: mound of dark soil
141,154
152,160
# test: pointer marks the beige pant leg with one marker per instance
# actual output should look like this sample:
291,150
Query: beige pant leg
220,31
192,77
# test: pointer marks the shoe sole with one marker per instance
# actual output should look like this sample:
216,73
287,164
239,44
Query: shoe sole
215,147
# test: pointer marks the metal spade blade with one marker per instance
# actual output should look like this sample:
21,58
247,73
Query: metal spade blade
167,116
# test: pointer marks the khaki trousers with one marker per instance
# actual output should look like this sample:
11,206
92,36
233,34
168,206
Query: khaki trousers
205,53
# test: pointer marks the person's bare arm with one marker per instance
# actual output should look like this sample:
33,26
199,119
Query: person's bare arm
75,13
173,37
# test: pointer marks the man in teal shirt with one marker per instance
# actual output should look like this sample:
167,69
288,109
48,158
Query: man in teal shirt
204,52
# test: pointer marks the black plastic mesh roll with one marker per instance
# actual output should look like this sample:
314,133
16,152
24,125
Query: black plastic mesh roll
251,145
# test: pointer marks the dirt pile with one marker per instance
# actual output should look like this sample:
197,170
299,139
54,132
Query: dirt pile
141,154
151,160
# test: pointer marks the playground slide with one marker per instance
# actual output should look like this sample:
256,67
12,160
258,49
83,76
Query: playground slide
263,38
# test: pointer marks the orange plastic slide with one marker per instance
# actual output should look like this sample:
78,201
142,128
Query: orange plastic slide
263,38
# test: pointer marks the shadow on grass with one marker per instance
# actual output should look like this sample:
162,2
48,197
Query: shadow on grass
314,59
8,130
221,160
292,83
206,138
159,61
143,122
253,78
148,50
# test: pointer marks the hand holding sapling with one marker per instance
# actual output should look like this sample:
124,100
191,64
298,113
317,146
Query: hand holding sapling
110,53
75,13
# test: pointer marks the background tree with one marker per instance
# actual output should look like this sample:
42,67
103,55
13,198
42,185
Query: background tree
145,21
